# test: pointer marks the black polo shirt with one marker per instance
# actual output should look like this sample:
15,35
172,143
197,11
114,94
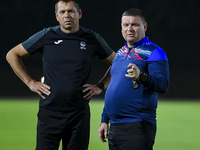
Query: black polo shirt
66,63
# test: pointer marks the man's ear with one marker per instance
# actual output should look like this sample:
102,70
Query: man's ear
80,13
56,16
145,26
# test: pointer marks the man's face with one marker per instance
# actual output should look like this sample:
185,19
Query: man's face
133,29
68,17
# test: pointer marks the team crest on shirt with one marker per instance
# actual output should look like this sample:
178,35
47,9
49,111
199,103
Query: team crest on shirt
83,45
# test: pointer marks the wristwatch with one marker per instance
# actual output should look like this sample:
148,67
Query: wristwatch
136,83
101,86
143,76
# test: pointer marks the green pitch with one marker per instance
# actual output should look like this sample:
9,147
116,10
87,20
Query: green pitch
178,125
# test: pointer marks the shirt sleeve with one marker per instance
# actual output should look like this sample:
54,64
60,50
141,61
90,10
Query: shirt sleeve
103,50
158,72
35,42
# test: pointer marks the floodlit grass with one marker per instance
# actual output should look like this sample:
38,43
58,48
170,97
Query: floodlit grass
178,125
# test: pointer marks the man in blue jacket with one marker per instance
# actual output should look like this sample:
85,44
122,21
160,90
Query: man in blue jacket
139,71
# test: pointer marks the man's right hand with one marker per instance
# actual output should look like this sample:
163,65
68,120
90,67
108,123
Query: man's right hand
103,131
40,88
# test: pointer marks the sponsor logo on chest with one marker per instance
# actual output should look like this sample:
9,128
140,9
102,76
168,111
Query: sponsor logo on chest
142,52
82,44
58,42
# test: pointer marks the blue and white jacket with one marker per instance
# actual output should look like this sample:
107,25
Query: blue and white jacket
123,104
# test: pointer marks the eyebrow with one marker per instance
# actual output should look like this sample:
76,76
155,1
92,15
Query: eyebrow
66,10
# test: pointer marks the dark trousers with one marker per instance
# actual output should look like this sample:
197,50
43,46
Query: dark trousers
72,127
132,136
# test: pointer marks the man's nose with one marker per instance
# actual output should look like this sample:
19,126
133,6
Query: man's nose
130,28
66,14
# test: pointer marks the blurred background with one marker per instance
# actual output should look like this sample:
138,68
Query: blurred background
172,24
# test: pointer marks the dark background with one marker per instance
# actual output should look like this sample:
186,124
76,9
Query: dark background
172,24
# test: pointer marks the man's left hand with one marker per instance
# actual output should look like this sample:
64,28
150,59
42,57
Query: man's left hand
91,90
133,72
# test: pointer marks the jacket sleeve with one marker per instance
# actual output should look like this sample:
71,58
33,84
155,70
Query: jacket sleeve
104,117
158,72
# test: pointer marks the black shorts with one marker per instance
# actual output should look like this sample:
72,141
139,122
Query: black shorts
132,136
72,127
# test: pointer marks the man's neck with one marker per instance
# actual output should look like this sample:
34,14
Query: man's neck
69,30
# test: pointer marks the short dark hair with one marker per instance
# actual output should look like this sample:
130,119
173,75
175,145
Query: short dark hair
134,12
67,1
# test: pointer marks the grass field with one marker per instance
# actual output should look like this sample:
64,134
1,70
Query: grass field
178,125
